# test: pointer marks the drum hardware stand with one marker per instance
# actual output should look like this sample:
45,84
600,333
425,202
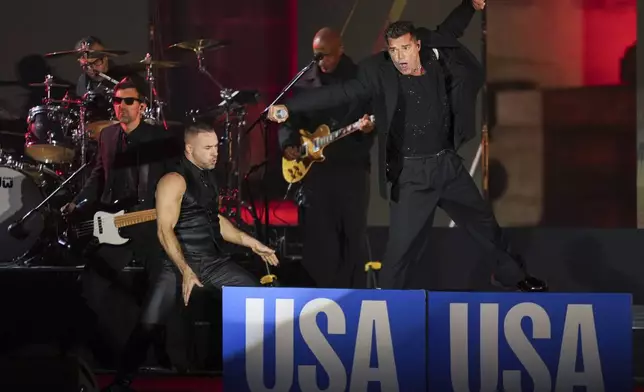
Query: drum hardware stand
49,81
231,192
155,110
83,136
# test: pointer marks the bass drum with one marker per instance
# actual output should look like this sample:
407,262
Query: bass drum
22,188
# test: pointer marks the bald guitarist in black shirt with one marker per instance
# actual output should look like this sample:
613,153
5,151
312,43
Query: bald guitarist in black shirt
336,191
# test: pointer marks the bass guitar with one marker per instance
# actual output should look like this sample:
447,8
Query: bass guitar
105,226
312,149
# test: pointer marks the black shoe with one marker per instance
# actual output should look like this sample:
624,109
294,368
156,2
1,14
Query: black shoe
530,285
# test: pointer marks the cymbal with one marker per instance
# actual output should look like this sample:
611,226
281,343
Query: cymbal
169,123
49,84
11,133
88,52
142,66
201,44
65,101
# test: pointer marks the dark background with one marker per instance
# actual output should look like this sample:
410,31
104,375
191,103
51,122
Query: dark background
31,28
271,40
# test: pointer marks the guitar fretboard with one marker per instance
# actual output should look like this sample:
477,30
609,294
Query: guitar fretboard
333,136
134,218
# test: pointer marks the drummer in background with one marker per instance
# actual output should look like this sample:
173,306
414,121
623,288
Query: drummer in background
89,80
92,64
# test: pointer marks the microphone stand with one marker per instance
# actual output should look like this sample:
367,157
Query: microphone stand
16,229
262,120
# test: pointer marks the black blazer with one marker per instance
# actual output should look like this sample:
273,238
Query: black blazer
377,80
158,150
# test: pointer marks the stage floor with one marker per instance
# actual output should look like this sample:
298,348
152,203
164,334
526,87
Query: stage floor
171,383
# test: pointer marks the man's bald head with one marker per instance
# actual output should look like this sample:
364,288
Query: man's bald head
328,42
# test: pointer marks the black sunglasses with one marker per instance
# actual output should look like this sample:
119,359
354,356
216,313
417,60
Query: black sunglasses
128,100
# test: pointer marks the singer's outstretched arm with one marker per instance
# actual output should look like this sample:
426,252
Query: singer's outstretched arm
359,89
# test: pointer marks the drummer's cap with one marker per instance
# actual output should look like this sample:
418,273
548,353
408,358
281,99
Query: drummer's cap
90,41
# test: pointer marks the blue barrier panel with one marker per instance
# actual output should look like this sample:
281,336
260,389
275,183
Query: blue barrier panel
292,339
529,342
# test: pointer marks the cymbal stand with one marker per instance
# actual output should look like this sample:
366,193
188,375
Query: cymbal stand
49,81
231,191
155,109
83,136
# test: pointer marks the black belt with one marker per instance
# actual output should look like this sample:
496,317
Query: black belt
426,156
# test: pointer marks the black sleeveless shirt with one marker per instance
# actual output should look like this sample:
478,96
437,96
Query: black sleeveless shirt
198,229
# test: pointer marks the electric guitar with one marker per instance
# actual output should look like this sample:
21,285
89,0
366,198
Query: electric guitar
105,226
312,149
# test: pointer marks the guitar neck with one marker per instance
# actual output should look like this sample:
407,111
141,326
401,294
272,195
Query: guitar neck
323,141
133,218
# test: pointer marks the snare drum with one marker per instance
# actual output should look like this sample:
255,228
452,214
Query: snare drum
48,139
99,113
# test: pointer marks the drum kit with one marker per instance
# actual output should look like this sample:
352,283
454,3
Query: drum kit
61,137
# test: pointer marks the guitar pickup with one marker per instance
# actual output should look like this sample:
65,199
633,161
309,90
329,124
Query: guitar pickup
100,225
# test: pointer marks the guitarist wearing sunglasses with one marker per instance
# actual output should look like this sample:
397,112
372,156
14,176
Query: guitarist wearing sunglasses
132,156
336,191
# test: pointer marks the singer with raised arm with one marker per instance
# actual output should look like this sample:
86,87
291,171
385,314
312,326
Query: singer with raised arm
424,88
334,195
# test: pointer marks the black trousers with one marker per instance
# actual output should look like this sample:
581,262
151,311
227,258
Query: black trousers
335,226
440,181
113,296
164,294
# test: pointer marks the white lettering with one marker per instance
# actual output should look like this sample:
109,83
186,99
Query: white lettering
489,347
459,356
579,321
523,349
374,318
284,329
489,350
319,345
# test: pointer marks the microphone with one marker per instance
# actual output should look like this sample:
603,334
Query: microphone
281,114
102,75
318,56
